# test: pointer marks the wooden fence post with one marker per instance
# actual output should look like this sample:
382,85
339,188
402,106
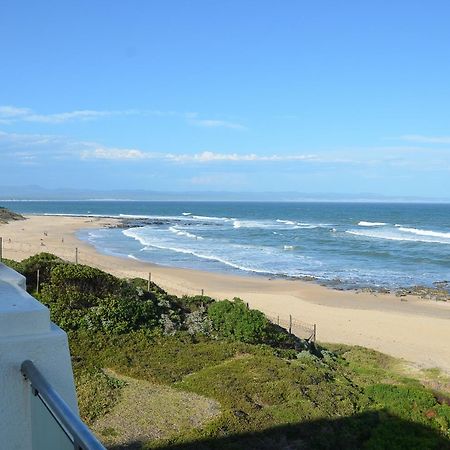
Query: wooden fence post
290,324
1,249
314,334
149,281
76,255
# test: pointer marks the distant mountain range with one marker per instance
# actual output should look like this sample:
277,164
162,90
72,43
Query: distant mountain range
39,193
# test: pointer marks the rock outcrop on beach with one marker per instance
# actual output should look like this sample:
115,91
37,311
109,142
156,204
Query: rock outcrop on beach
7,216
439,293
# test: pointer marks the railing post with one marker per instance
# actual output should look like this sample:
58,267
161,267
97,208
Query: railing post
290,324
78,434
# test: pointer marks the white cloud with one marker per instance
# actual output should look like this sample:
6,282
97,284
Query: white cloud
85,114
44,147
115,154
13,111
426,139
210,123
207,156
12,114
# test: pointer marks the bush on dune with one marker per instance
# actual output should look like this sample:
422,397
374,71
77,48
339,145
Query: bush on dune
44,262
266,380
234,320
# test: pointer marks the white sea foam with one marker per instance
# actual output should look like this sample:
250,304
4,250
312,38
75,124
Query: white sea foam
186,214
272,224
184,233
213,218
306,226
211,258
289,247
133,257
420,232
156,242
399,235
143,216
363,223
252,224
287,222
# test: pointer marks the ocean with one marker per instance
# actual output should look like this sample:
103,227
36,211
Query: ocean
344,245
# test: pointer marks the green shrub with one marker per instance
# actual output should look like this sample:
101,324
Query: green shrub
44,262
233,320
121,314
82,297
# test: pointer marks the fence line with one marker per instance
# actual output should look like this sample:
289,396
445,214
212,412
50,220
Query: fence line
20,250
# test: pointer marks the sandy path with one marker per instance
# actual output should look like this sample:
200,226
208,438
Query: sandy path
414,329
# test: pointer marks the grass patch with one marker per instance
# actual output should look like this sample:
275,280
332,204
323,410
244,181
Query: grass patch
268,401
148,411
97,393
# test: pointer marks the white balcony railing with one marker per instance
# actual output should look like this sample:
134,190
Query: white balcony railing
38,407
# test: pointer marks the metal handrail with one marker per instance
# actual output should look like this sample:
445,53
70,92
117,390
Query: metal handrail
81,435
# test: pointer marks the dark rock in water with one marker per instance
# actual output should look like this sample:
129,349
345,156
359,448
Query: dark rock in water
374,290
6,215
308,278
157,222
442,284
425,292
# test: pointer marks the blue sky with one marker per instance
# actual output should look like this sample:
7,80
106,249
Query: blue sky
324,96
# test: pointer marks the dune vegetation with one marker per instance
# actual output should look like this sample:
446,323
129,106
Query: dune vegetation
153,370
7,215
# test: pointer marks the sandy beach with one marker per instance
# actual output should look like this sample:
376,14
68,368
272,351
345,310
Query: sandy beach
414,329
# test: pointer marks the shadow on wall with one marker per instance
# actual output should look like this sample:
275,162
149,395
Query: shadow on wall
373,430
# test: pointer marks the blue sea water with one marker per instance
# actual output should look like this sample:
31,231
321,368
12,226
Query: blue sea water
344,244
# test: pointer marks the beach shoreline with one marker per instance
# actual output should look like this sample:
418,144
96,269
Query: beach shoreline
407,327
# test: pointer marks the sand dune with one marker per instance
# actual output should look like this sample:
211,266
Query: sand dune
410,328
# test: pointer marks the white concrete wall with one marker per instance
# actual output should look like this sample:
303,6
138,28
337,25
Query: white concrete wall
27,333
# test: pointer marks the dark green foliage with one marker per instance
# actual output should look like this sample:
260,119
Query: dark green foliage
193,303
13,264
82,297
44,262
414,404
96,392
233,320
7,215
268,402
272,395
156,358
79,286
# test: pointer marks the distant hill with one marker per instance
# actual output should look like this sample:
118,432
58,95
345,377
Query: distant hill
33,192
6,215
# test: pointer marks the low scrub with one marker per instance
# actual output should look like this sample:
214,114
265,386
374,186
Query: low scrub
275,390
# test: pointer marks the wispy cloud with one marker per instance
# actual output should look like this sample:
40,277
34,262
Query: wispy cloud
207,156
114,153
193,119
13,114
42,148
425,139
